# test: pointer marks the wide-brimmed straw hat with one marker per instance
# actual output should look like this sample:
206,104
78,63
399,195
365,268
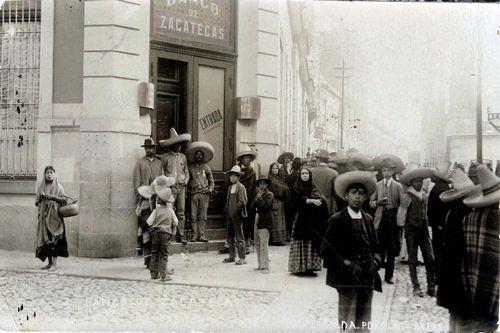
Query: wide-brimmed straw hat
339,157
175,138
245,150
490,189
165,194
281,158
263,178
161,181
360,161
410,174
388,161
462,186
205,147
235,169
149,142
365,178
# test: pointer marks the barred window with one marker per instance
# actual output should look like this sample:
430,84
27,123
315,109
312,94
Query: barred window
19,87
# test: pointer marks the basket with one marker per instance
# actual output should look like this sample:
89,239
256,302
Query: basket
70,209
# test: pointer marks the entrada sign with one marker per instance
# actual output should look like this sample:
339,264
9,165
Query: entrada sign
191,22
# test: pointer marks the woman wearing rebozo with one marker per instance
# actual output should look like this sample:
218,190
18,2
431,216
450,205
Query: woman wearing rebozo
51,233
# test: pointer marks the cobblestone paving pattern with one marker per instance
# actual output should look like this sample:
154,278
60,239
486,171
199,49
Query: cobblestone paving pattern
55,302
415,314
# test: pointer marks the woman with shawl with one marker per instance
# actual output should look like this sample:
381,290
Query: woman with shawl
281,195
51,233
308,227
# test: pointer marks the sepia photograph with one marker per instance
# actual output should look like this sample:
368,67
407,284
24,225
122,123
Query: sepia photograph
249,166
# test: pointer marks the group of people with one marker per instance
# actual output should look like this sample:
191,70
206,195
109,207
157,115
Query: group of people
343,211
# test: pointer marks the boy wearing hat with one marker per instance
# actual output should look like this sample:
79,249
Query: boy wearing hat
175,165
201,184
146,170
248,177
480,267
163,223
263,207
412,214
385,201
236,211
351,252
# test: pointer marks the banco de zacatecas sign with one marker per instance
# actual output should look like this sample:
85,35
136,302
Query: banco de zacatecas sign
193,21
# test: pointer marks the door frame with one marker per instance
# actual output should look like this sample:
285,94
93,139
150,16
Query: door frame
192,87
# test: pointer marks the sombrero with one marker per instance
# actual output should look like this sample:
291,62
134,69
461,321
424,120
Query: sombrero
462,186
409,175
388,161
165,194
360,161
365,178
281,158
205,147
442,175
159,182
175,138
245,150
235,169
490,189
339,157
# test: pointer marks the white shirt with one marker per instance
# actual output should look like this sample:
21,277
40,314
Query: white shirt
353,214
388,182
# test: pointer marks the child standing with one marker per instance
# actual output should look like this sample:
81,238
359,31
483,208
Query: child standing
163,223
263,206
235,211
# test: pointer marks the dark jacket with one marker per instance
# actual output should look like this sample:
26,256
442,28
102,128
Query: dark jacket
263,205
338,246
241,198
436,208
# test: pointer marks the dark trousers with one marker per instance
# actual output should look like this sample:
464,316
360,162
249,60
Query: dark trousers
437,246
389,234
355,309
146,236
159,253
235,235
416,237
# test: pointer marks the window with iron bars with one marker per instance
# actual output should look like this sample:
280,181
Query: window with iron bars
19,87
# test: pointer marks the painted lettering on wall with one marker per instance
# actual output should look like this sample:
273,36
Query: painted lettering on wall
205,21
211,120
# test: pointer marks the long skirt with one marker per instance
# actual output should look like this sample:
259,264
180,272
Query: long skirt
54,248
278,233
303,257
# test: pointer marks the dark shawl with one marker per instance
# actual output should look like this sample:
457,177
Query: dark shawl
310,221
50,228
279,188
451,292
248,179
480,268
437,209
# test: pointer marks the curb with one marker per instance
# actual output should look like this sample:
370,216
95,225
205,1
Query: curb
386,312
113,278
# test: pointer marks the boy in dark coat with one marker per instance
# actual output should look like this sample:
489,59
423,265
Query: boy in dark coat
263,206
351,252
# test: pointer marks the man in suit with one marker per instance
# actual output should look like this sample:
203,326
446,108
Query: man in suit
351,253
385,201
324,178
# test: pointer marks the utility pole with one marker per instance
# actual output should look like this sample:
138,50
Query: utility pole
343,77
479,105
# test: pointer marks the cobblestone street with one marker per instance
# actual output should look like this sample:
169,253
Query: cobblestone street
410,313
205,295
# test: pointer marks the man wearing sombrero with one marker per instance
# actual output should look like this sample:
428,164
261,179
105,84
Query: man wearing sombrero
201,184
480,267
175,165
412,214
350,251
385,201
451,292
285,159
146,170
